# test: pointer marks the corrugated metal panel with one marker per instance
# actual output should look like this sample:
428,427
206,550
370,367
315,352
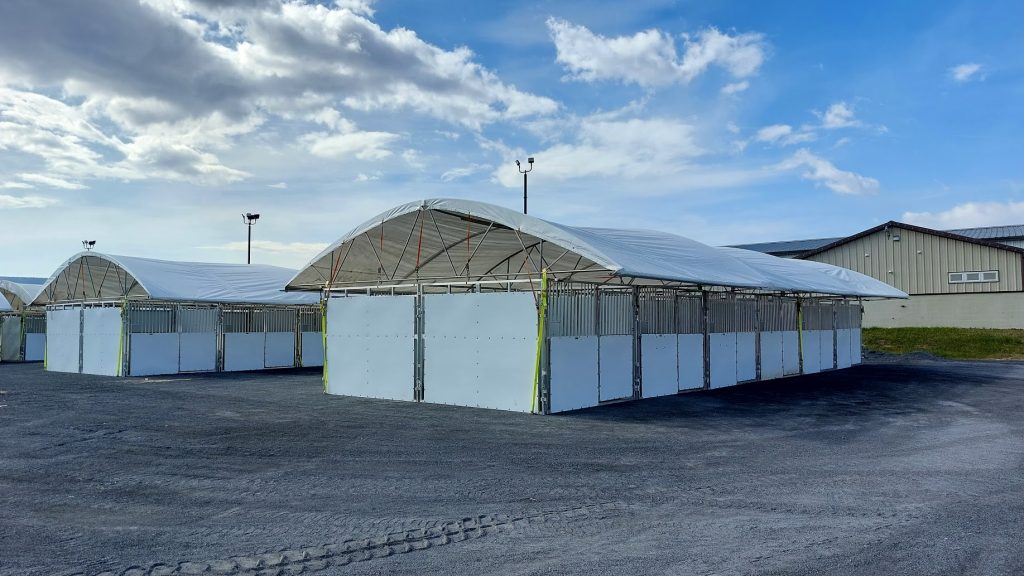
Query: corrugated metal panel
920,263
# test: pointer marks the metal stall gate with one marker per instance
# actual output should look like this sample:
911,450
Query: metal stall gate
779,337
467,349
848,330
311,337
818,336
671,341
171,338
480,349
371,349
732,325
22,336
84,339
592,341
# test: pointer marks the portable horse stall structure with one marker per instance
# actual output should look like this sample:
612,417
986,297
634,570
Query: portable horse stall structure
22,326
466,303
127,316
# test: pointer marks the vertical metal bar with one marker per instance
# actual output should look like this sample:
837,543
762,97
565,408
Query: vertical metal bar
81,339
637,352
419,350
705,309
757,337
220,338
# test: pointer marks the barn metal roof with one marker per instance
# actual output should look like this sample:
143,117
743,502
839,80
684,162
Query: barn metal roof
990,233
94,276
445,240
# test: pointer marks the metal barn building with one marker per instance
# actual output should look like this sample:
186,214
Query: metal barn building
953,280
126,316
466,303
22,326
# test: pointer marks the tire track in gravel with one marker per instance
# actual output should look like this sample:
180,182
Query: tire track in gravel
311,559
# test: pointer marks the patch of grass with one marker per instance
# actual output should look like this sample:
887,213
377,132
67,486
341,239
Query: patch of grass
952,343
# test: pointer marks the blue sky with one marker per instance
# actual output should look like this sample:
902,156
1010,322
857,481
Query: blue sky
151,126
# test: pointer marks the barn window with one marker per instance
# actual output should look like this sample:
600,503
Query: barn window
972,277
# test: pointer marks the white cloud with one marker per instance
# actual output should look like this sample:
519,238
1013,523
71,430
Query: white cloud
457,173
15,202
651,58
307,249
363,177
966,72
823,172
169,87
361,145
15,185
279,185
785,135
51,181
970,215
735,87
839,115
773,132
629,148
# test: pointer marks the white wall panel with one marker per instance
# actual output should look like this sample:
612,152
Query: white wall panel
790,353
35,347
771,355
63,338
574,379
480,350
856,352
812,351
723,359
153,354
370,346
843,347
659,365
615,357
280,350
312,349
101,341
691,361
243,351
827,349
746,356
197,352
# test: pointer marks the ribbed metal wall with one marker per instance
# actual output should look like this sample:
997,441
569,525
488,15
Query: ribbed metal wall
920,263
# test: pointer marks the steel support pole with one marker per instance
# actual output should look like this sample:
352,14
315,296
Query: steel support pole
524,192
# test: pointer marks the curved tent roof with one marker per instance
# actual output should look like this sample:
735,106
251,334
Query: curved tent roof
818,277
95,276
17,293
450,240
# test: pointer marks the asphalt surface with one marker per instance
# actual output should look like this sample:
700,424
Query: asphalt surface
889,468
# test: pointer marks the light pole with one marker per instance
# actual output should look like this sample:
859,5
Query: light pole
249,220
524,173
88,244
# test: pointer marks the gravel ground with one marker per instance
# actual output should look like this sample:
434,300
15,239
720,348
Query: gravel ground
888,468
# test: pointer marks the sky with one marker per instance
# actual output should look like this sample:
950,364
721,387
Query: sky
150,126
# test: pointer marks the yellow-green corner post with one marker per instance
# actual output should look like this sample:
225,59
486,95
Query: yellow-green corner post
323,336
540,336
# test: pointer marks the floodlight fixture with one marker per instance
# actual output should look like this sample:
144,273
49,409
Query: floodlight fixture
249,219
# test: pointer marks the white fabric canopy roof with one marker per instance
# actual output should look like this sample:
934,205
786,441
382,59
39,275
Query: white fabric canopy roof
16,293
96,276
453,239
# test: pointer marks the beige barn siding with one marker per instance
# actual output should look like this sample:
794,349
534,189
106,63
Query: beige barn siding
920,263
